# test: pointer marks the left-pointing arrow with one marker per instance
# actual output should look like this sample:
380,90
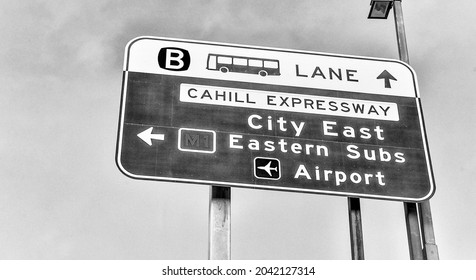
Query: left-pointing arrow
147,136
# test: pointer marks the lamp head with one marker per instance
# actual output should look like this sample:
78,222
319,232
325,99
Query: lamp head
379,9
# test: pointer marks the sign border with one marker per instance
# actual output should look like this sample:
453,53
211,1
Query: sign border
268,187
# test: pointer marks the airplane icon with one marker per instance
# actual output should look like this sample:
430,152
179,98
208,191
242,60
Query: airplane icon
268,168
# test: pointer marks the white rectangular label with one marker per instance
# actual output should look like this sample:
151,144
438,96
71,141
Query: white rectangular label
289,102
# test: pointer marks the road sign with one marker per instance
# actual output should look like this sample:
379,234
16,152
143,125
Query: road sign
256,117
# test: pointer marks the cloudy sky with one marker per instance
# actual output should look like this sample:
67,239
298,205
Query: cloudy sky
62,196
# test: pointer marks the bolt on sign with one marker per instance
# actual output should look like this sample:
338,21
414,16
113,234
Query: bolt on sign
256,117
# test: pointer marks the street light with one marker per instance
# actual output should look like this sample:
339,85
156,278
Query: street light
379,9
417,215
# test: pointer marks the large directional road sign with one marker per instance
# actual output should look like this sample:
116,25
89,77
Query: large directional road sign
255,117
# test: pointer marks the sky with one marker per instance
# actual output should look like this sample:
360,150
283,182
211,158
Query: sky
62,196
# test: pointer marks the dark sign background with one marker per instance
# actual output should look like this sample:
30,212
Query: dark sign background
153,101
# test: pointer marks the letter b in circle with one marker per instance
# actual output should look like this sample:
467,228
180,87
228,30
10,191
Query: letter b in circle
174,59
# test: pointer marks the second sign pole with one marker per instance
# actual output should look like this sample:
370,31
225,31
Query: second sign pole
355,225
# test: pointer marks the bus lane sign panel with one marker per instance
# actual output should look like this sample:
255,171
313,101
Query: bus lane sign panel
254,117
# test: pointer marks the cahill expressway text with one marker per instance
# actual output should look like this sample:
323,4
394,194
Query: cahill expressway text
291,102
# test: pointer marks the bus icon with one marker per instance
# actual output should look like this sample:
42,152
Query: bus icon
240,64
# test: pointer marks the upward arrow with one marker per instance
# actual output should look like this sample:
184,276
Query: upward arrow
387,77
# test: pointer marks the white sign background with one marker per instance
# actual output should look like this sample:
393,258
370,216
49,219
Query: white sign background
143,51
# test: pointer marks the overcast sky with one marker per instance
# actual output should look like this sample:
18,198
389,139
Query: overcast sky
62,196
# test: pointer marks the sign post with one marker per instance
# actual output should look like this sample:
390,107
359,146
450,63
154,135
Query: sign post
430,249
355,225
219,244
254,117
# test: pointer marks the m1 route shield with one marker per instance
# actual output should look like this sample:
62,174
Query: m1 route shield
255,117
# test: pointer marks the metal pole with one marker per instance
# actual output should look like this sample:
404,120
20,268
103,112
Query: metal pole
219,231
430,250
355,225
413,231
411,213
400,27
